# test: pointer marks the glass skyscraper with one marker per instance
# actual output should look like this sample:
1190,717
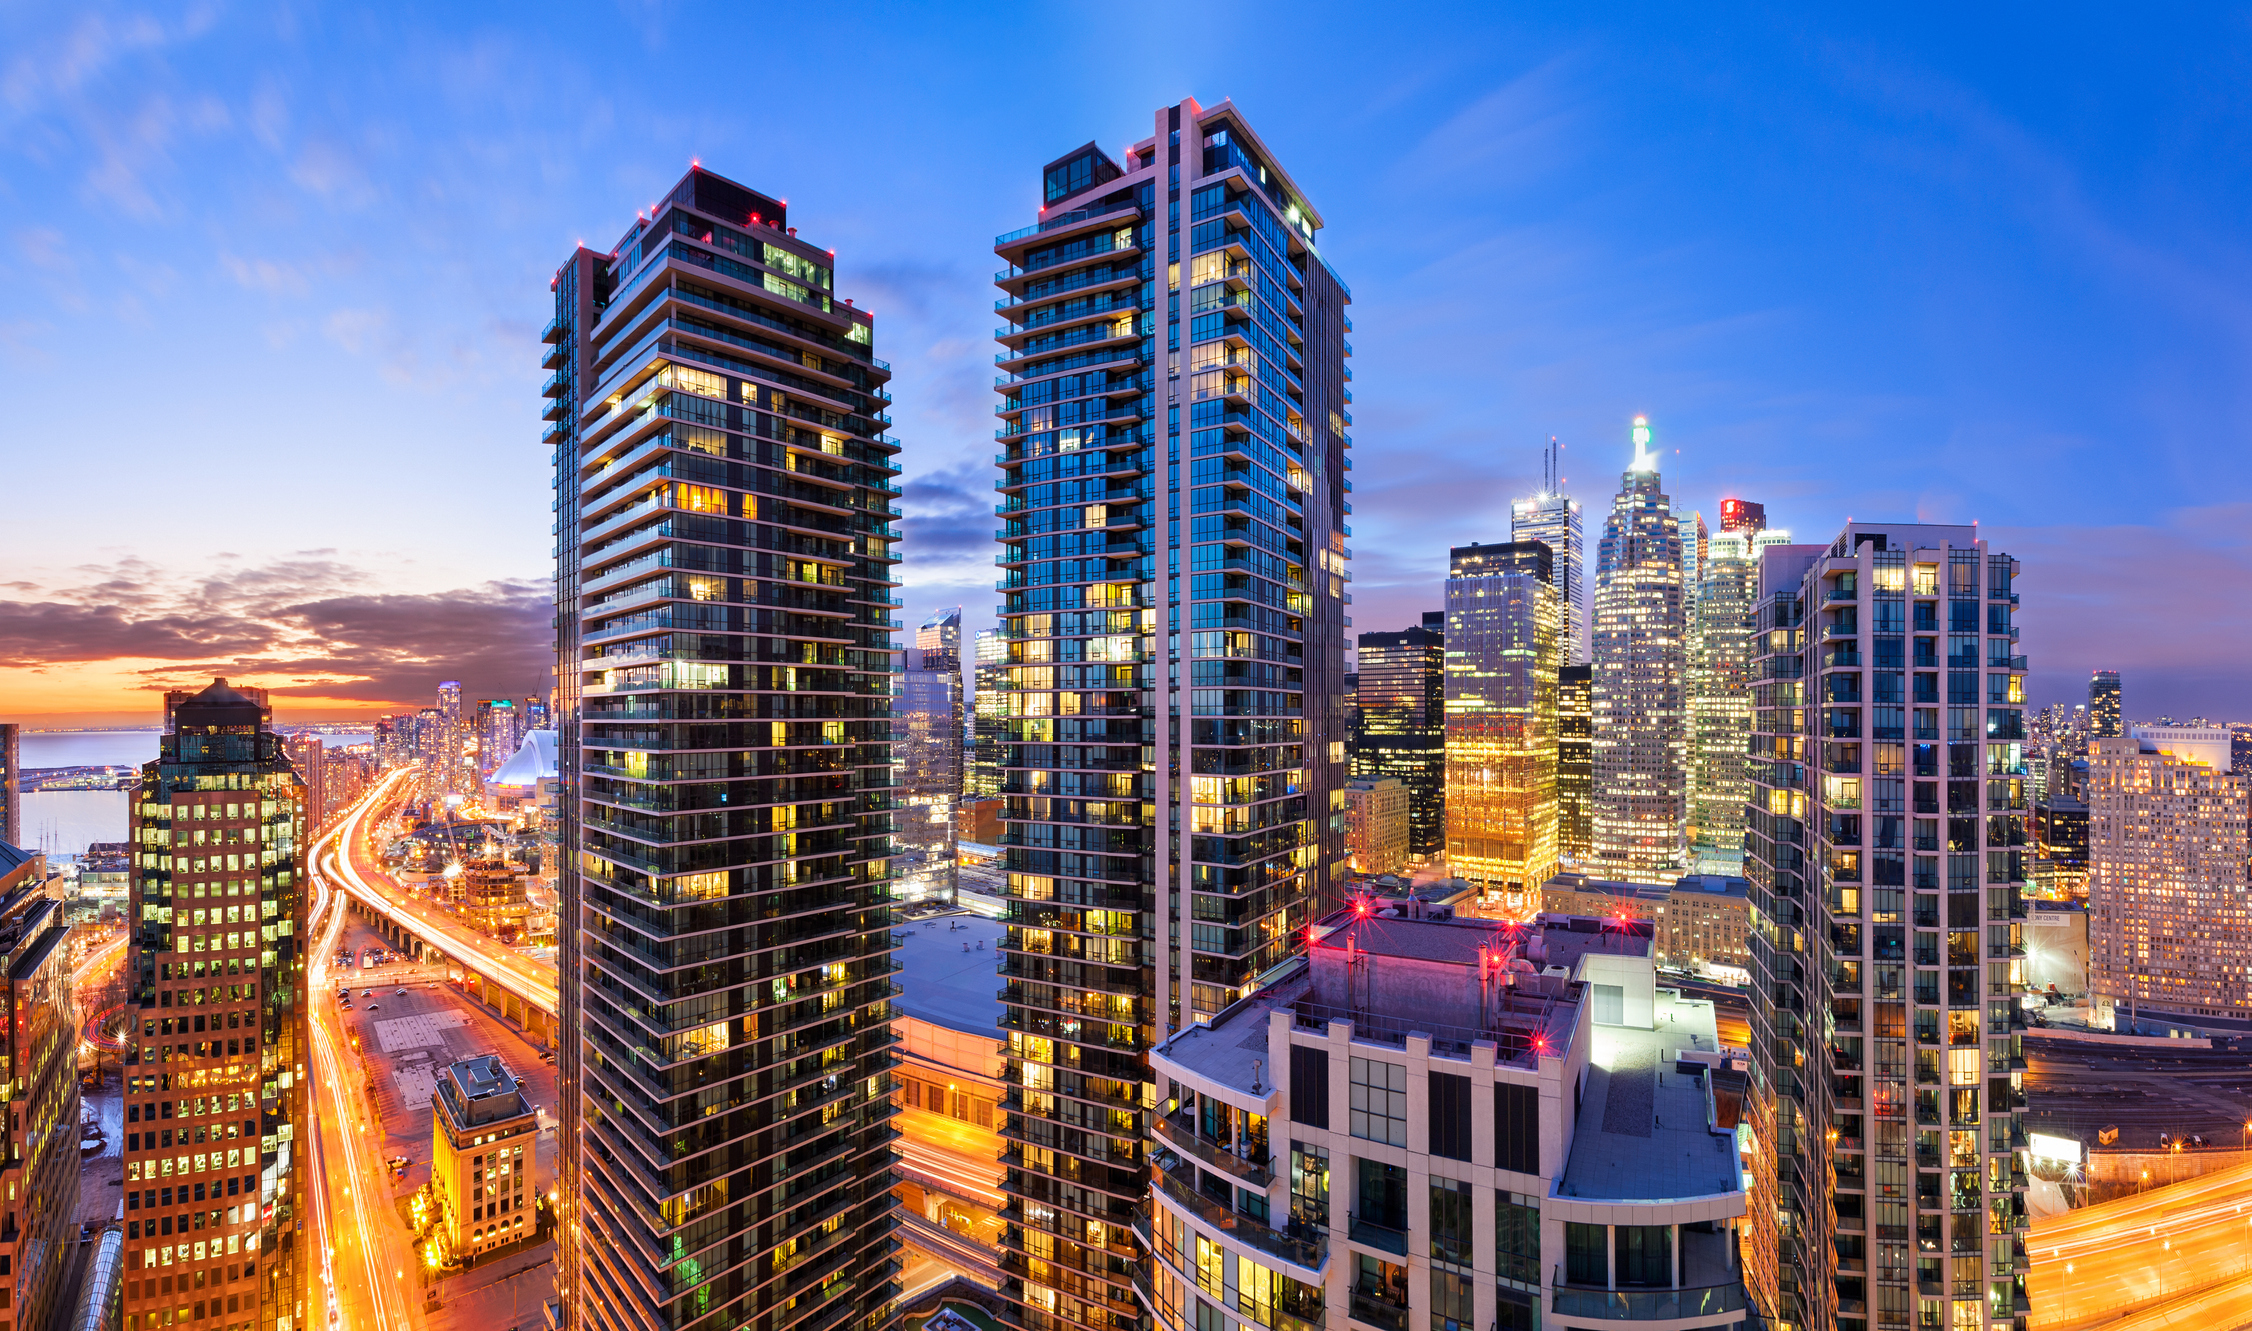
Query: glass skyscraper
1721,624
1640,739
927,749
1552,517
1504,635
723,585
1174,481
1400,690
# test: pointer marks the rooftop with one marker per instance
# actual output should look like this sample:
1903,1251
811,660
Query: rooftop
941,982
480,1090
1647,1128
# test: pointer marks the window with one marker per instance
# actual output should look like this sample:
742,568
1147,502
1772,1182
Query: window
1450,1221
1254,1290
1383,1194
1645,1254
1586,1255
1379,1101
1309,1086
1309,1184
1449,1107
1517,1238
1517,1127
1610,1004
1450,1301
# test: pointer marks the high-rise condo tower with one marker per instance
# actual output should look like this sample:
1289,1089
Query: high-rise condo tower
1886,851
723,584
1173,477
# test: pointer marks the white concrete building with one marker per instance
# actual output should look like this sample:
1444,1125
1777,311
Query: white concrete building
1449,1123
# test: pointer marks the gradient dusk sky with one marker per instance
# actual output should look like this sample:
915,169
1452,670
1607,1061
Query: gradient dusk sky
273,277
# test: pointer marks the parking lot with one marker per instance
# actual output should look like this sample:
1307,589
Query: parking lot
2076,1090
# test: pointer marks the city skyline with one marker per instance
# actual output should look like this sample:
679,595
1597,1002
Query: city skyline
1721,315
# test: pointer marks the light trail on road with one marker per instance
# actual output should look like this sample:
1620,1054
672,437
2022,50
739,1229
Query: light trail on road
361,1175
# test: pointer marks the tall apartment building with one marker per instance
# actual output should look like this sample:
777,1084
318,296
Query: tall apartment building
500,732
2103,706
1173,481
1575,764
927,750
1505,627
308,754
1722,624
1399,690
2169,831
11,783
1438,1123
1552,517
1640,732
453,740
988,707
1885,849
724,538
215,1089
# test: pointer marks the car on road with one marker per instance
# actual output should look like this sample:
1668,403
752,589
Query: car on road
399,994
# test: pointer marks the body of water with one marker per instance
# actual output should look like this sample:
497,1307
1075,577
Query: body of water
62,822
96,748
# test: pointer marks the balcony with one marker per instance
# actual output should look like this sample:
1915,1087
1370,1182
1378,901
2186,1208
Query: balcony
1647,1305
1377,1307
1370,1234
1185,1137
1306,1253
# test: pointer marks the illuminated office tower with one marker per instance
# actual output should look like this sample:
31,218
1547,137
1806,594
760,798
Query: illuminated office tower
724,583
1173,478
2103,706
2169,929
38,1154
988,675
1720,702
1504,634
1885,846
1640,739
1742,515
1400,690
1575,764
1552,517
216,1200
927,750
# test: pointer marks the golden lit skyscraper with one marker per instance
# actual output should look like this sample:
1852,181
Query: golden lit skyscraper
1640,739
1504,644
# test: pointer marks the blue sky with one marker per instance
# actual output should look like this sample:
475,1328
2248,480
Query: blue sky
271,279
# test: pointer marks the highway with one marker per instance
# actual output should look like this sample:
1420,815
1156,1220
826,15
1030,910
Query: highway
2175,1256
356,871
365,1254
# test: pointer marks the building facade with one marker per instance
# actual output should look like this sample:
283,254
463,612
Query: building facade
1885,849
2104,718
39,1040
1399,691
215,1094
1552,518
988,708
1504,643
724,575
1174,478
1575,764
1376,825
1640,741
483,1144
1435,1123
927,750
2169,841
11,783
1722,621
1698,922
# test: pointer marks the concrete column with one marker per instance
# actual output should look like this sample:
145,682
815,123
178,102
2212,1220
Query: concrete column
1676,1229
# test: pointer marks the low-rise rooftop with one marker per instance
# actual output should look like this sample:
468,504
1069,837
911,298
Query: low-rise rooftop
1647,1128
946,973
